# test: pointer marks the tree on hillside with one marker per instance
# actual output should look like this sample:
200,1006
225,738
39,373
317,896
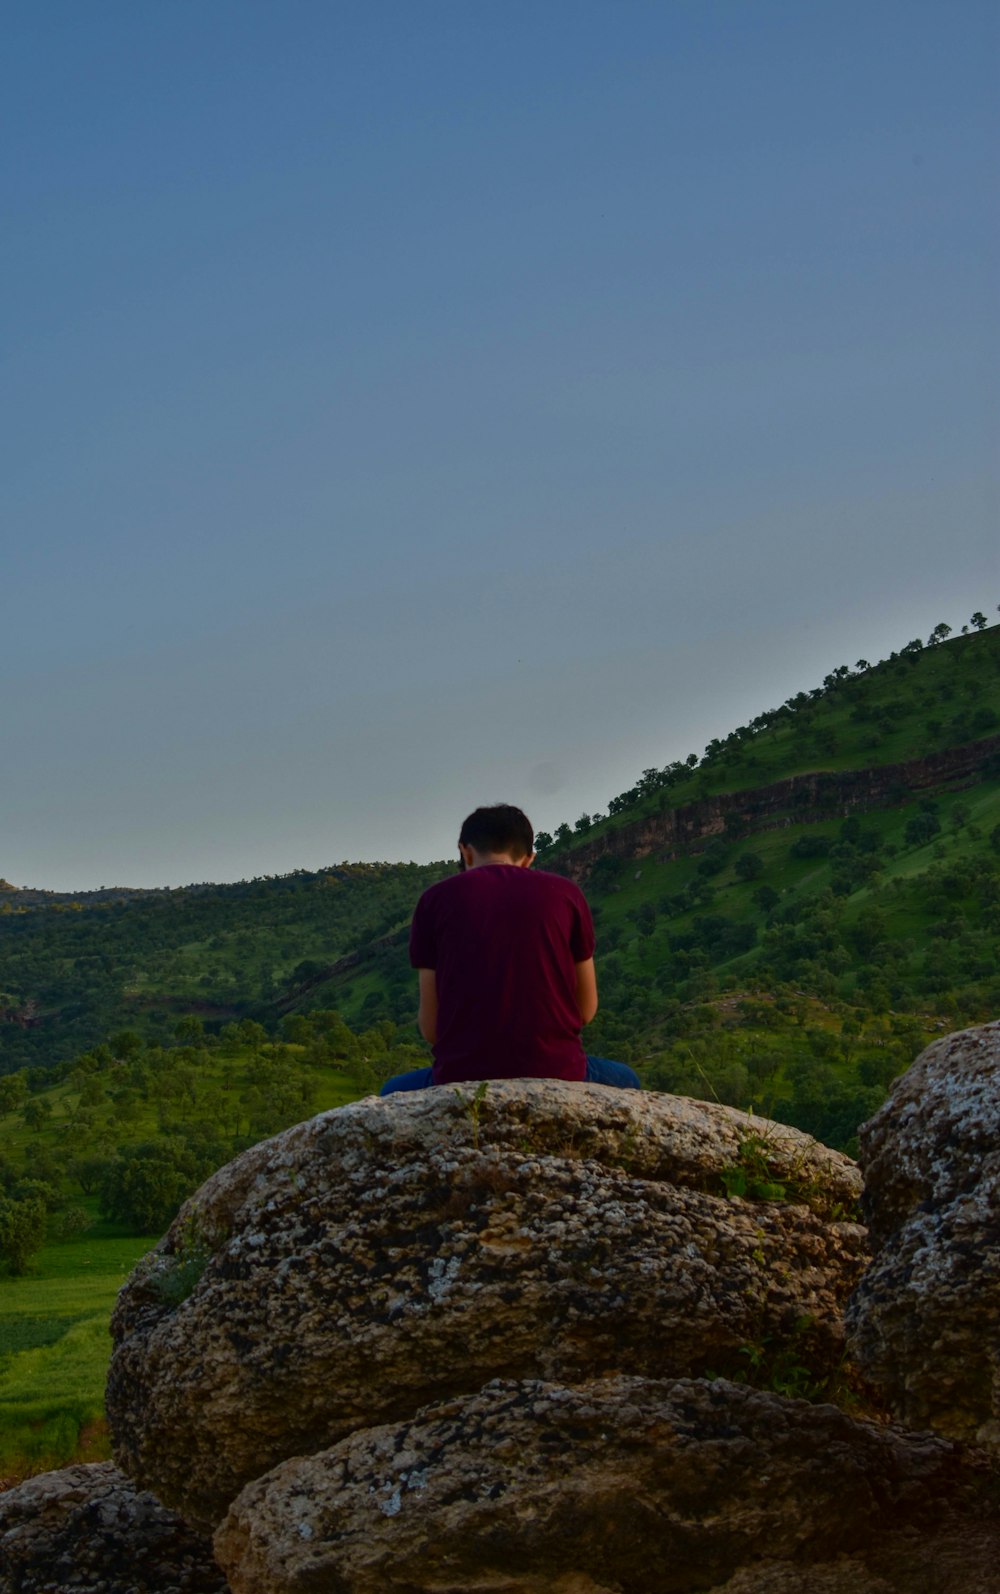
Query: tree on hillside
867,931
88,1172
324,1033
125,1045
37,1112
713,859
22,1231
923,827
13,1090
979,620
145,1184
766,898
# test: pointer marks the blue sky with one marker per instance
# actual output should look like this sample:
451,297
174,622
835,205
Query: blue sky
413,405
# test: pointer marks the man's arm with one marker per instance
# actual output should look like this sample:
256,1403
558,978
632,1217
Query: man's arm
586,990
427,1014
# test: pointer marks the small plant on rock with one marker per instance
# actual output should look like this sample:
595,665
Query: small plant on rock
180,1276
751,1175
473,1106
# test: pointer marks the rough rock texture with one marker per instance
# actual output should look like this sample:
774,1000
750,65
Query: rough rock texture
400,1251
819,795
924,1318
88,1527
619,1486
928,1560
843,1576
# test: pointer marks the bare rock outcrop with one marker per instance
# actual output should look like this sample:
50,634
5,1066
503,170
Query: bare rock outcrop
811,797
924,1317
89,1528
401,1251
623,1485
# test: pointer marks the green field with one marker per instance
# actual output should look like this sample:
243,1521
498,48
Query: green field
54,1349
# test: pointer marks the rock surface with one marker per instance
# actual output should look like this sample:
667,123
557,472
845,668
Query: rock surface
89,1527
400,1251
817,795
924,1318
955,1560
619,1486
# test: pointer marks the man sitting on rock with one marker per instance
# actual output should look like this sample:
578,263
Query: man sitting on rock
505,960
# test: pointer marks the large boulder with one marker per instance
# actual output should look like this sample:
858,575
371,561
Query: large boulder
622,1485
400,1251
924,1317
89,1528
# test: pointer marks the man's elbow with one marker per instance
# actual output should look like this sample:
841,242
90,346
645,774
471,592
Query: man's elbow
588,1010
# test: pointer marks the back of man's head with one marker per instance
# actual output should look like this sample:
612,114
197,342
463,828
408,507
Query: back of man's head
500,829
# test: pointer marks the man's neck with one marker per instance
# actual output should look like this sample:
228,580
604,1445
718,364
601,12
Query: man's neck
476,860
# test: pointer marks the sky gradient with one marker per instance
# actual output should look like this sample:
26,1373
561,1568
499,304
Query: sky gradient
413,405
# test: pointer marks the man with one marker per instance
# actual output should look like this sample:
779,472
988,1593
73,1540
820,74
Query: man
505,962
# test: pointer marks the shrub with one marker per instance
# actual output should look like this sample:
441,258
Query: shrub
811,847
145,1184
22,1231
921,828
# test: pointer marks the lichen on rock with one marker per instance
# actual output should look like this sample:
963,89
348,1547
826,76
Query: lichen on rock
924,1317
623,1485
405,1250
88,1527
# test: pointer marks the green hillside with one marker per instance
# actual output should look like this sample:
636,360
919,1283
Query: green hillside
841,850
785,921
75,968
781,923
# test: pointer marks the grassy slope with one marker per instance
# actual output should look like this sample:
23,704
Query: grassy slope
233,950
914,705
219,1077
666,1011
90,966
54,1349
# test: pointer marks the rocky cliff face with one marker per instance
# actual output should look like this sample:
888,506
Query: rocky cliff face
498,1343
821,795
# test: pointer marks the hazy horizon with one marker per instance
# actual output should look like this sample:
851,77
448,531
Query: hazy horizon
542,776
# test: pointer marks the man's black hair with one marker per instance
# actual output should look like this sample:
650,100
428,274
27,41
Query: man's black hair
502,828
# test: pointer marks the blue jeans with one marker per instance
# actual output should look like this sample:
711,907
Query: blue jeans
600,1071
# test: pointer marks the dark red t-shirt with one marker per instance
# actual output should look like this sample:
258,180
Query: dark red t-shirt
504,943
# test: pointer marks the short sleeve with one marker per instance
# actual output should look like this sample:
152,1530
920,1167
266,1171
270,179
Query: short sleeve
582,935
423,941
